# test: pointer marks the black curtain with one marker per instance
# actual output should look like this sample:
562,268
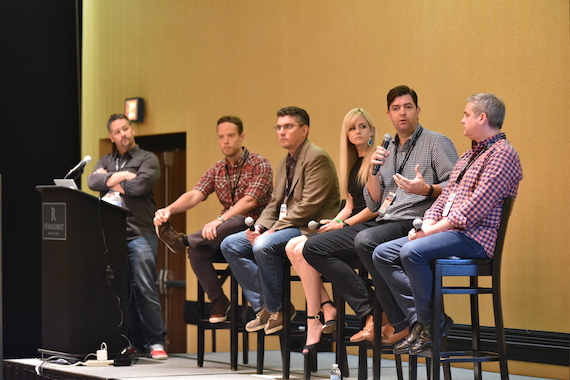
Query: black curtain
40,140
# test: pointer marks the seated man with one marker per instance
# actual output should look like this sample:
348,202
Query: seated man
413,167
462,222
306,188
243,183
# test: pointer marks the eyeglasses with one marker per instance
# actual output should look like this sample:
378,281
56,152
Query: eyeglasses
286,127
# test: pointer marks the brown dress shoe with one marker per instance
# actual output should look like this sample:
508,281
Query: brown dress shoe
384,320
389,337
367,333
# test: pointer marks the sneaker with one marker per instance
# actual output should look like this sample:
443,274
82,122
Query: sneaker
275,322
259,322
157,352
171,238
219,308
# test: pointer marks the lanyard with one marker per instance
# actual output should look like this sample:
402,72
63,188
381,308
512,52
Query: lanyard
407,153
122,166
234,188
473,159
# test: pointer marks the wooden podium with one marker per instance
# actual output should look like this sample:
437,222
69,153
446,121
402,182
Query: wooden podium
85,281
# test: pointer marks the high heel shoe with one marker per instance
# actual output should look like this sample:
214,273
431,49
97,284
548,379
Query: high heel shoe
329,326
310,348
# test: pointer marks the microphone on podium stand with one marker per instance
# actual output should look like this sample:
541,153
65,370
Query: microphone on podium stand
418,223
250,223
77,170
313,225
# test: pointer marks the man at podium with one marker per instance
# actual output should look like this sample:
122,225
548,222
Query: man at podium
127,178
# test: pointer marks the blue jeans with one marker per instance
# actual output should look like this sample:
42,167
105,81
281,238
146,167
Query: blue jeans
259,269
144,311
406,267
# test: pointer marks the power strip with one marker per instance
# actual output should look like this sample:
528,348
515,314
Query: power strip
98,363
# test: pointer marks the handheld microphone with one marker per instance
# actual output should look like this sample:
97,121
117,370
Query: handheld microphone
313,225
249,222
78,169
418,223
387,139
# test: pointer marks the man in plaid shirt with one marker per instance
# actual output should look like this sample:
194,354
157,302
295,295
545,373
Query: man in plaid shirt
462,222
243,182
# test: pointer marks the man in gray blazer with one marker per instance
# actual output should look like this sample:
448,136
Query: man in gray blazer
306,188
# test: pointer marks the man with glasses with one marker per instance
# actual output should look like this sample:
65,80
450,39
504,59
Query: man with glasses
243,182
306,188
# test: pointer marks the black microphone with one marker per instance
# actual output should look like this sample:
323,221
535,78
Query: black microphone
418,223
78,169
387,139
250,223
313,225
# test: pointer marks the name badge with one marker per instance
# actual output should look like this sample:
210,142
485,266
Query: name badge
387,202
282,211
448,204
114,198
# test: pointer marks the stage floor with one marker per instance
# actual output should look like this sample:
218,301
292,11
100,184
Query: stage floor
216,366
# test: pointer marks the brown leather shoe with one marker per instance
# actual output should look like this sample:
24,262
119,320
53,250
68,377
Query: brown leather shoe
389,337
367,333
384,320
170,237
219,308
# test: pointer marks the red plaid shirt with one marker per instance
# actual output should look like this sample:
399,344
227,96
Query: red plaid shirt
494,175
251,175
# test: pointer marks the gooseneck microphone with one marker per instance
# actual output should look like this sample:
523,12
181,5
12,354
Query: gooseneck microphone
313,225
418,223
78,169
387,139
249,222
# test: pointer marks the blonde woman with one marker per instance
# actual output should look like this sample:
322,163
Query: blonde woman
357,143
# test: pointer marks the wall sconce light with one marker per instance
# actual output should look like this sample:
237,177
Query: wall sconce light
134,109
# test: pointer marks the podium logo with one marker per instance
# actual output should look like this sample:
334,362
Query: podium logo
54,221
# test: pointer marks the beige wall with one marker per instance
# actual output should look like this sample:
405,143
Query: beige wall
193,61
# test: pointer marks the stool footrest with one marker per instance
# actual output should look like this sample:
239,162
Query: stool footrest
469,356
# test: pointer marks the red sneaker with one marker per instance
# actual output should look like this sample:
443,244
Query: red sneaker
157,352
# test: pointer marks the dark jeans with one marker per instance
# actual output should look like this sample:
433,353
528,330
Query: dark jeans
329,253
407,266
202,253
365,243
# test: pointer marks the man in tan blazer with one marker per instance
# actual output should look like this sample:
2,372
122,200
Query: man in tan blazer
306,188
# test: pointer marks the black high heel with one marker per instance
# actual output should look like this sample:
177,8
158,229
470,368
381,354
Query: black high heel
329,326
311,347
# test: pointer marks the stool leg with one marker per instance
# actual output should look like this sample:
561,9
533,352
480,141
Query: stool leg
260,351
245,334
475,329
412,367
285,334
200,326
234,324
340,334
437,311
500,327
377,347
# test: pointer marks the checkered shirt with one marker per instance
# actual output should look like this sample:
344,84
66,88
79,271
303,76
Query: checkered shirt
255,179
477,207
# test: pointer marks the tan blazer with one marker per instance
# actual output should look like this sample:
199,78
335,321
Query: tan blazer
315,193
